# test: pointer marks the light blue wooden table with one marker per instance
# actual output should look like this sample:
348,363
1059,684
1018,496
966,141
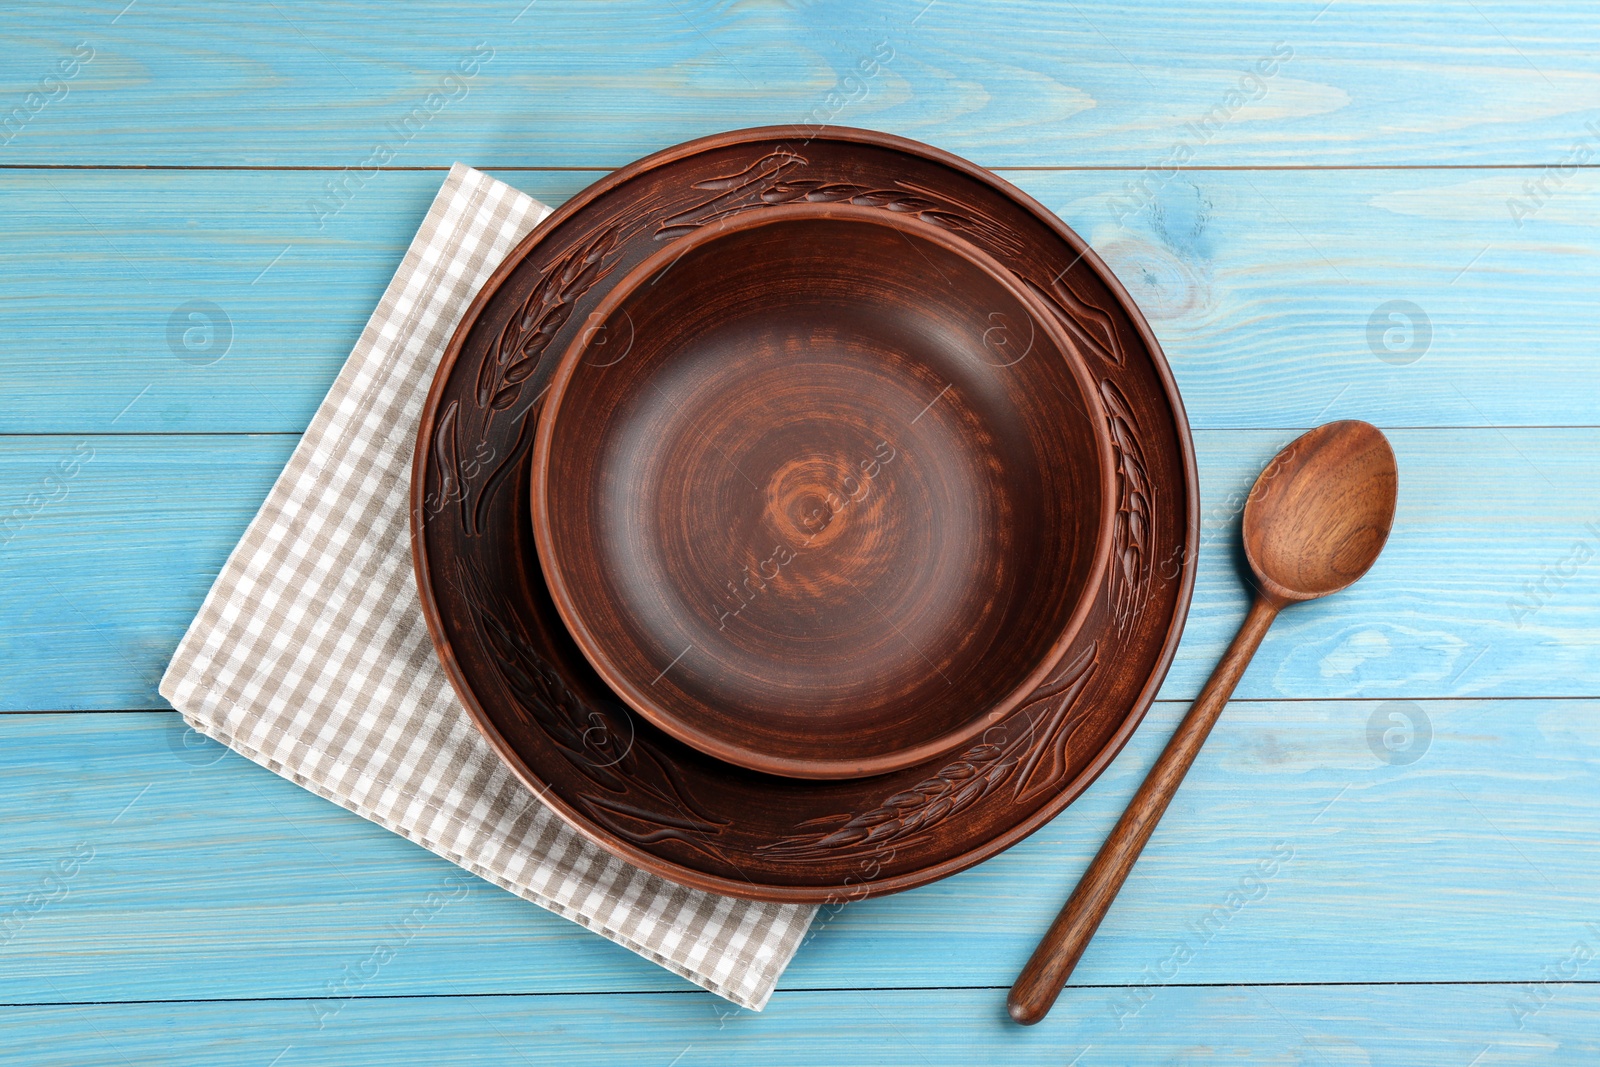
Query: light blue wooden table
1397,223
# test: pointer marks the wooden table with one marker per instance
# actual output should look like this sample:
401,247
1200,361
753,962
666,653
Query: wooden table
1326,210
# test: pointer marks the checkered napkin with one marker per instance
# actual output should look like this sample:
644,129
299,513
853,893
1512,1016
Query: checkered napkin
310,655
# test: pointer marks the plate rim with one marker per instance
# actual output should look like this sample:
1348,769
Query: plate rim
647,861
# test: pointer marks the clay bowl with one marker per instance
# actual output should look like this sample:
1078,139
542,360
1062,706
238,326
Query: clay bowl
822,491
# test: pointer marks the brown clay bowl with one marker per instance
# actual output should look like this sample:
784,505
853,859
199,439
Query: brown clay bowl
823,491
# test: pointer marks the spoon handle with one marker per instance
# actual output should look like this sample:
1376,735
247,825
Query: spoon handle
1052,962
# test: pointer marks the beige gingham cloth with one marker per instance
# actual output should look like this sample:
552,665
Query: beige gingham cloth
310,655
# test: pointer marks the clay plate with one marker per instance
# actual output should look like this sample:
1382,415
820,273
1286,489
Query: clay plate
631,788
823,491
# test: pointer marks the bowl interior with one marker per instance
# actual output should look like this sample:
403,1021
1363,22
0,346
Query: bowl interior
822,492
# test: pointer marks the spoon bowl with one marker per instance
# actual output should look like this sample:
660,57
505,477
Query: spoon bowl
1320,513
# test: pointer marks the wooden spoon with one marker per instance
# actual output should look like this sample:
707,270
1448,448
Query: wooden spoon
1315,521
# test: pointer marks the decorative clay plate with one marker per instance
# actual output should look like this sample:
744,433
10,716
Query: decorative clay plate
653,800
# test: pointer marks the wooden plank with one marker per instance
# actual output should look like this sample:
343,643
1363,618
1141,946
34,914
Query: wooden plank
1348,1026
110,546
1485,589
1022,82
1296,852
100,265
1268,291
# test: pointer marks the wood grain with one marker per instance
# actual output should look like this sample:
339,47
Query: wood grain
1474,863
221,869
1467,600
1346,1026
104,567
1024,82
1261,287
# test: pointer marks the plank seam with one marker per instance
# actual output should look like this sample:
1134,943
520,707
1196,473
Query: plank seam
1484,983
998,169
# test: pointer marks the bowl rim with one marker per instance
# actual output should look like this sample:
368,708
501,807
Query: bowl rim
572,616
